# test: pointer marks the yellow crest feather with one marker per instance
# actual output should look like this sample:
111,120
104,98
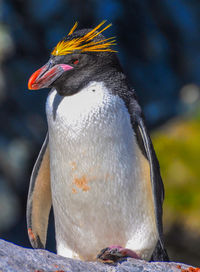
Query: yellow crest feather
85,43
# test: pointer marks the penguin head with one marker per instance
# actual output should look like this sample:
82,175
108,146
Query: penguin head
82,56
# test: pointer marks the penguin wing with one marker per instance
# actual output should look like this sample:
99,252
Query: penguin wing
39,199
147,149
159,254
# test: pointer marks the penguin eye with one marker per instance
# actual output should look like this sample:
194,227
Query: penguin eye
76,61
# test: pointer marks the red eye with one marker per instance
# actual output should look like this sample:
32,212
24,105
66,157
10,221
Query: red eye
76,61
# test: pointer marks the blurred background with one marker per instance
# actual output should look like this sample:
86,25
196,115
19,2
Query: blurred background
159,48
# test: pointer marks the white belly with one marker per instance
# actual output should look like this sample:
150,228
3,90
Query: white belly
100,195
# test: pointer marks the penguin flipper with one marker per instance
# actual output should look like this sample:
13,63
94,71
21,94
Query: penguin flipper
146,146
39,199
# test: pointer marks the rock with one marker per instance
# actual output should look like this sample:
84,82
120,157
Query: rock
15,259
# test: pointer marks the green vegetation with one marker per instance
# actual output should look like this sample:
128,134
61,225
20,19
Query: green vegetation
177,145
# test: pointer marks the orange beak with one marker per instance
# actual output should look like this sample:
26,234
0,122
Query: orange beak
46,75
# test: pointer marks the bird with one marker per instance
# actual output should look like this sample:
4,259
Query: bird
97,167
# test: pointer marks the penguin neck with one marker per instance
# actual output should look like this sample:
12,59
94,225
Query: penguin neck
113,78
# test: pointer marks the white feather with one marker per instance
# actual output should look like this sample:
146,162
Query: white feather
99,191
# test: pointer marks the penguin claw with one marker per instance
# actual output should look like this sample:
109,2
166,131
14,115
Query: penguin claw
115,254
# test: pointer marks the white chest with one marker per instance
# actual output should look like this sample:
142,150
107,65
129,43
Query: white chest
99,191
90,134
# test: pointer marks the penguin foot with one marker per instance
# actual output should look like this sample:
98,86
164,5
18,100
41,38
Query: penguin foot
116,253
